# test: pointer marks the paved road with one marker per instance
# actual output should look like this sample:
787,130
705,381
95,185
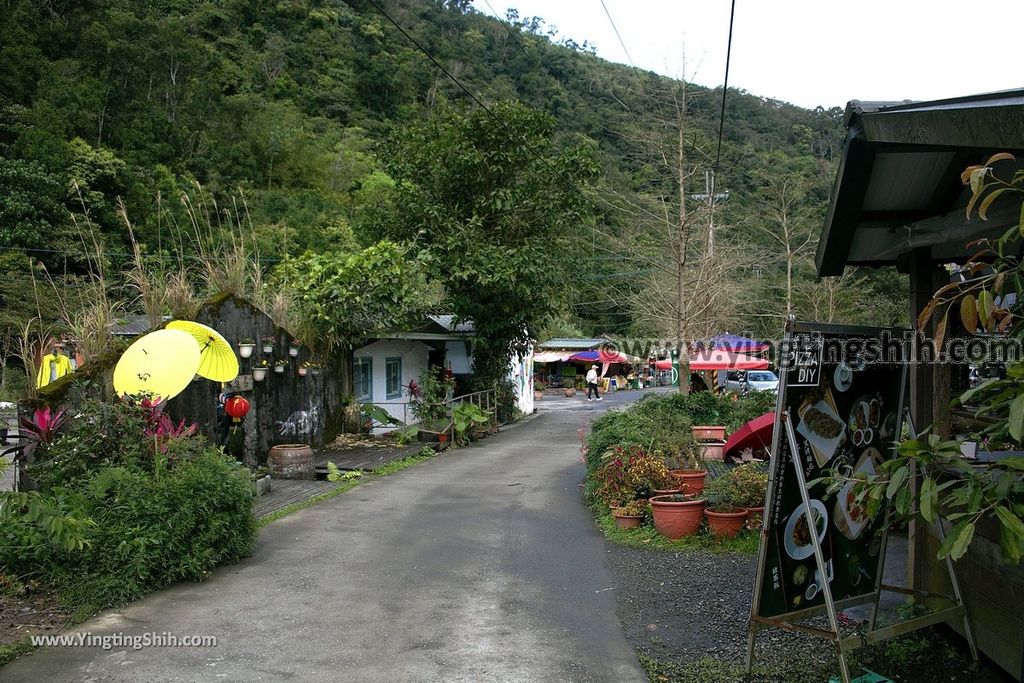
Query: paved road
481,565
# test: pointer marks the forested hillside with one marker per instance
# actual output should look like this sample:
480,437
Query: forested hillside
301,125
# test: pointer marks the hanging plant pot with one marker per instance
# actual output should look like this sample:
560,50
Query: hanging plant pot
268,348
245,350
279,369
259,374
315,372
293,351
302,372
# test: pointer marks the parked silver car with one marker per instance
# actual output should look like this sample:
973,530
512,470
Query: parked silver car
743,381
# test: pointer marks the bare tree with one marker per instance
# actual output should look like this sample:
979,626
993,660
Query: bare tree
789,225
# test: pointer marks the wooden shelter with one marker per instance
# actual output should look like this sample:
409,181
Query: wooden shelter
898,201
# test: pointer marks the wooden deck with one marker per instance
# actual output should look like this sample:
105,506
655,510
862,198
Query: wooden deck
366,458
284,492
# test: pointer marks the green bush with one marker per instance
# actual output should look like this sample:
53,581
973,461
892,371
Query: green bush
160,508
152,531
663,422
753,405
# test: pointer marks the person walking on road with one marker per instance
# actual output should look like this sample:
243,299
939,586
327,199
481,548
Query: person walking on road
592,383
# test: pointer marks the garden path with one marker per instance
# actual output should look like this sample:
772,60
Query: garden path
479,565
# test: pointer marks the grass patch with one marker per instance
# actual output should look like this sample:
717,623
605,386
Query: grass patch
8,653
647,537
390,468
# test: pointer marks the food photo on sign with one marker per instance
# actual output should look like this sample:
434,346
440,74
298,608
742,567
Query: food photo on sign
844,415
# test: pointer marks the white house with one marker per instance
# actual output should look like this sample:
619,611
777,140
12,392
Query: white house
382,369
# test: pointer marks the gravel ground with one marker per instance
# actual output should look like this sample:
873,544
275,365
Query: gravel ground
686,614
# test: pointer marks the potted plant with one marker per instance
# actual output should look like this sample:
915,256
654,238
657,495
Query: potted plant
315,368
689,470
293,348
677,515
268,345
303,369
246,347
725,519
428,402
538,390
279,365
631,515
466,417
750,485
569,391
259,371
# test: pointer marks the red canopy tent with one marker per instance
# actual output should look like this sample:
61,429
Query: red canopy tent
719,359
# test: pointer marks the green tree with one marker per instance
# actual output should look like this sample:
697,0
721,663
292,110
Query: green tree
348,297
498,205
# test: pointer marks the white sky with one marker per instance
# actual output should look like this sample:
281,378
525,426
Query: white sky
808,52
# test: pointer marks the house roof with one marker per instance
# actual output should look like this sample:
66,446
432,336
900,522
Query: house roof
433,328
898,185
131,325
572,343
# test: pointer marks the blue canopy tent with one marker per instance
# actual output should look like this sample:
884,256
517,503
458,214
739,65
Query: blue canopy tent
736,343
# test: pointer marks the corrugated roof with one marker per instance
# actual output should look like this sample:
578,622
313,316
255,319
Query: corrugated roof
131,325
572,343
448,323
898,185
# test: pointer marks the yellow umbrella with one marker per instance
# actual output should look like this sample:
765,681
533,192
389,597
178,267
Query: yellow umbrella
217,358
158,365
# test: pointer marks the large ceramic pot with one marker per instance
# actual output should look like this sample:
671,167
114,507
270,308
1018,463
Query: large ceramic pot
569,391
707,433
291,461
726,522
691,482
675,519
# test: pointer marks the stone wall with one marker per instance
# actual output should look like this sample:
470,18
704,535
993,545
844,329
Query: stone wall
286,407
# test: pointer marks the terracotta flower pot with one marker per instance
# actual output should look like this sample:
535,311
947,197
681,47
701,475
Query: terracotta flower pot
726,524
668,492
714,450
675,519
706,433
754,517
691,482
569,392
538,395
628,522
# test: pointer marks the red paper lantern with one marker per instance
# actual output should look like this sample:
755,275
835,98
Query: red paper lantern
237,407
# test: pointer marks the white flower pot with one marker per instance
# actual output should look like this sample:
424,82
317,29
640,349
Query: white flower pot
293,351
279,369
245,350
268,348
258,374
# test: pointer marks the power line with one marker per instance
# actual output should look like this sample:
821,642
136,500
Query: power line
725,85
617,35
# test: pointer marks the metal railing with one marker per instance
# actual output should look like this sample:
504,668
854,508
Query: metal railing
486,401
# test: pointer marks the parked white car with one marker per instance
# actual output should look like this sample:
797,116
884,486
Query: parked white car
743,381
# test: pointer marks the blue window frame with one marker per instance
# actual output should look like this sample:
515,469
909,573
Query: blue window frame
393,377
362,378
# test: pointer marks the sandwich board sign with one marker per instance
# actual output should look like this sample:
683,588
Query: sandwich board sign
840,407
